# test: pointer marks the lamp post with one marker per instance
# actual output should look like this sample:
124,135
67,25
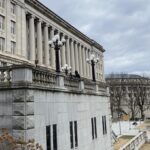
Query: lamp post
57,44
66,68
92,60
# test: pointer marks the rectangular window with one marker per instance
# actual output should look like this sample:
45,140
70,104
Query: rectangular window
94,128
13,27
104,125
48,137
13,7
76,133
2,20
51,135
13,47
92,123
2,44
2,3
54,137
73,134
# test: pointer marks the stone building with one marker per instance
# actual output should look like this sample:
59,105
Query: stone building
58,111
129,94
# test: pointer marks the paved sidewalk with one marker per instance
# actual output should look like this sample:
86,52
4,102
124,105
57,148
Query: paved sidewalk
145,147
122,141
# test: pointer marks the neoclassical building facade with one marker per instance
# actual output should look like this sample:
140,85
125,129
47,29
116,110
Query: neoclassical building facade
61,112
25,30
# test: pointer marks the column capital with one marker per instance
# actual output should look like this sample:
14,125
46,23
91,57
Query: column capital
75,42
51,27
45,24
66,37
31,15
71,40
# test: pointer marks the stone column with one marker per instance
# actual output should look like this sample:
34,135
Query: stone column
68,51
87,65
76,57
63,53
52,51
80,60
90,68
39,42
83,64
24,34
18,31
84,61
72,56
46,46
32,38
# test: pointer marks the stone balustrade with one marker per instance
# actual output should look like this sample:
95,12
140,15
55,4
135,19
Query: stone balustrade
5,74
42,77
71,83
89,86
46,78
136,142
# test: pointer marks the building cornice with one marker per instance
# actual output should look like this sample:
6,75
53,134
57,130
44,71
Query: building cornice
50,14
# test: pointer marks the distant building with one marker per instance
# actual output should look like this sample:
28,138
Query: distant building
129,94
59,112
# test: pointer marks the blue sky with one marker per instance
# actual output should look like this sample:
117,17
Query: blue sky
122,27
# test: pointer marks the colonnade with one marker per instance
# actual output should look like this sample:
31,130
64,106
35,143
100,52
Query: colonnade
73,53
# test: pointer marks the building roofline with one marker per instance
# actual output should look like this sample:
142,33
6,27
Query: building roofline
62,22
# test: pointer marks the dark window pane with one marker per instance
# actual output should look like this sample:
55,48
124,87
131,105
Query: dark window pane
103,124
55,136
92,123
48,137
71,134
76,133
95,127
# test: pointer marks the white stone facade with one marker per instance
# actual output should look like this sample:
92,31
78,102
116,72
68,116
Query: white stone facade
35,99
34,26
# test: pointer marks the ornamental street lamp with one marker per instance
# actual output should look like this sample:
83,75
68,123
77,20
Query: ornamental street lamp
56,43
66,68
92,60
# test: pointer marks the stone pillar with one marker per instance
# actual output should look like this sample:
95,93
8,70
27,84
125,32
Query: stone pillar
68,51
39,42
24,34
52,51
83,64
46,46
63,53
80,60
76,57
18,31
23,105
87,65
72,57
84,61
90,68
32,38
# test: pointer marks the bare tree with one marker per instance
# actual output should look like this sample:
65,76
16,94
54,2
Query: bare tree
116,92
131,102
142,95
